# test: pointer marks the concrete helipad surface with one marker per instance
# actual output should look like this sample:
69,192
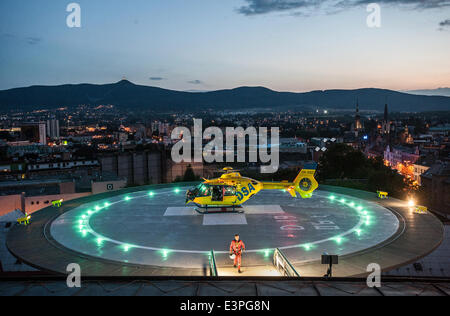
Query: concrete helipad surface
151,231
157,229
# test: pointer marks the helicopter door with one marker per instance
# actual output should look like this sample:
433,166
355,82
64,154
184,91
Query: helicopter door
217,193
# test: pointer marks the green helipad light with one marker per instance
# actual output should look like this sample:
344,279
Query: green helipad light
80,221
83,216
358,232
332,197
307,247
151,193
359,208
97,208
266,253
127,198
176,190
84,232
338,239
365,212
352,204
342,200
165,253
126,248
100,241
107,204
89,212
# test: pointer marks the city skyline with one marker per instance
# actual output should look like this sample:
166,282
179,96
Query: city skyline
212,45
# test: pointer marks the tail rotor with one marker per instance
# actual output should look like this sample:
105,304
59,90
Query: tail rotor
305,183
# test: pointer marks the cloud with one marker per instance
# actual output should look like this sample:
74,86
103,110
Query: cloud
33,40
8,35
195,82
255,7
304,7
414,4
444,24
157,78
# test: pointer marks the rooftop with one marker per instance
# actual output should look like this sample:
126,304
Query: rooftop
439,169
33,285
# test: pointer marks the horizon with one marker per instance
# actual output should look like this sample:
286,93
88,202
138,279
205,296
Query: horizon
232,88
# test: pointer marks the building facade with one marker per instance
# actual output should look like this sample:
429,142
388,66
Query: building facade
436,188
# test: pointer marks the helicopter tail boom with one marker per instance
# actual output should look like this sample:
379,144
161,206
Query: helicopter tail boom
304,184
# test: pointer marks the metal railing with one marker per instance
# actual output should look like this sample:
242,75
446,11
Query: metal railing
283,265
212,264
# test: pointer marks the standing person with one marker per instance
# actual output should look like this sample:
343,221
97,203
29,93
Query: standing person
237,247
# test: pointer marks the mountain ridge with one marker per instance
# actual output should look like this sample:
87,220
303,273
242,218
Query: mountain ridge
444,91
127,95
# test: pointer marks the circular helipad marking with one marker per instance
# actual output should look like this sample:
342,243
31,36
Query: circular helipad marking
93,228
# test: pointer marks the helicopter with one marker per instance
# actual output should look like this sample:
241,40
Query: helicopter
232,190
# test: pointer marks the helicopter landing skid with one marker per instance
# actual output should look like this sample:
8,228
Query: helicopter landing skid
219,209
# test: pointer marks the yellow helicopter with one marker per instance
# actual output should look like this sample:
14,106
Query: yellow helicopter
233,190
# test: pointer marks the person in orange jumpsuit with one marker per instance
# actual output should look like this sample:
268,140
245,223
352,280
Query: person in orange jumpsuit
237,247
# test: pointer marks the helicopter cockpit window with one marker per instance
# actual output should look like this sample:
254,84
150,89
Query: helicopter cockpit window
203,190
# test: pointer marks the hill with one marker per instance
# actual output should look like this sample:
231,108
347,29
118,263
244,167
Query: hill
127,95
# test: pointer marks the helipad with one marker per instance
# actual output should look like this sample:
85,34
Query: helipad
152,228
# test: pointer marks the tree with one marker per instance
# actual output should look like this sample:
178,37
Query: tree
345,163
341,161
189,175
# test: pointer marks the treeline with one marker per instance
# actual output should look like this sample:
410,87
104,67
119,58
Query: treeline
344,166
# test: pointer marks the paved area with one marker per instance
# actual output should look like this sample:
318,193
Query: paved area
256,271
8,261
420,236
436,264
150,230
411,237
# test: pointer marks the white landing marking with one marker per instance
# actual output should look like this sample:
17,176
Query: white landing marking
224,219
247,209
180,211
262,209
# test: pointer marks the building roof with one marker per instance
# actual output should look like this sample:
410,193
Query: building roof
11,217
35,285
438,169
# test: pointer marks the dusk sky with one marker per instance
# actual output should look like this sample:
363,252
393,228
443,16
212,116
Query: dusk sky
286,45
